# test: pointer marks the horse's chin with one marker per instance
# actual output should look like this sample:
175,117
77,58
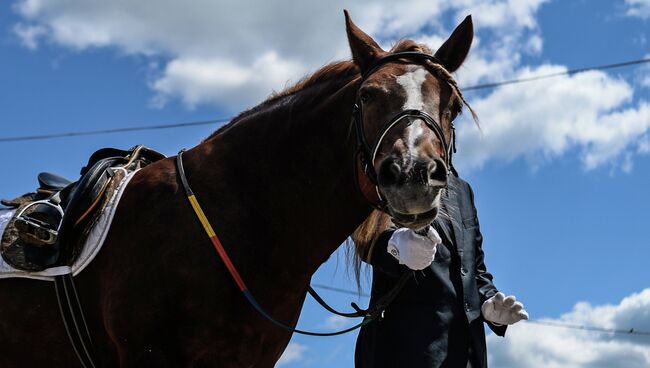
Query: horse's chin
415,222
415,209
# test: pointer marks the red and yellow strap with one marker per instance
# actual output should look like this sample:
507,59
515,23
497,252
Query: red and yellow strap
216,242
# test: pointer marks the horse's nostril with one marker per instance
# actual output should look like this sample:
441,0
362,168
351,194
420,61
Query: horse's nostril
389,173
395,170
437,171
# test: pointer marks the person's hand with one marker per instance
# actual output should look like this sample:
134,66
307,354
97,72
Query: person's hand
503,310
414,250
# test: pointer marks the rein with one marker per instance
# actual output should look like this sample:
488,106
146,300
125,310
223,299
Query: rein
369,315
367,184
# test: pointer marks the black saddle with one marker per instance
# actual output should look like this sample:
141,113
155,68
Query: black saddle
78,201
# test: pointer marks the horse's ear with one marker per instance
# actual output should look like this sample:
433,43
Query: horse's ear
453,52
364,49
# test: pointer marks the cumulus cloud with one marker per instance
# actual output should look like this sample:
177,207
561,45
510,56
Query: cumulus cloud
249,47
293,353
589,111
643,74
219,81
638,8
29,34
334,322
536,346
234,54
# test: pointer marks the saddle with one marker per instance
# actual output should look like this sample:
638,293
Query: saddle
50,223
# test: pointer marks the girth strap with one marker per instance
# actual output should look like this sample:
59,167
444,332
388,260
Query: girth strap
74,320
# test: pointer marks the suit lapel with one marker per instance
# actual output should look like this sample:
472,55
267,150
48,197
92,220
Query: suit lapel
452,206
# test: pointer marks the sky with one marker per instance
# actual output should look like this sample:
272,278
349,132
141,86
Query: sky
560,173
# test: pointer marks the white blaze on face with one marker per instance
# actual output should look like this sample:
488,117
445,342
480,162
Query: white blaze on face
412,81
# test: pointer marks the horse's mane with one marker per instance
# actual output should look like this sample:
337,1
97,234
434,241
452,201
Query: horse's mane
334,72
331,72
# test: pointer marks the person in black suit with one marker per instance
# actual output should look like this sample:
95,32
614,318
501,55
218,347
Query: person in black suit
437,319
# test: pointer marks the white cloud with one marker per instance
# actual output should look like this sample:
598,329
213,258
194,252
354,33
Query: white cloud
536,346
293,353
589,111
29,34
638,8
335,322
643,74
223,82
252,47
644,145
234,54
646,81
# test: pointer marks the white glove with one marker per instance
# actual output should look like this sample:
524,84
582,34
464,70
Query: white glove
503,310
414,250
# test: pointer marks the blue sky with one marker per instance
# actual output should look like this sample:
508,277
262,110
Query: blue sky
561,175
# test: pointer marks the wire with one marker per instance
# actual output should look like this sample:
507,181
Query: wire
558,74
343,291
631,331
110,131
223,120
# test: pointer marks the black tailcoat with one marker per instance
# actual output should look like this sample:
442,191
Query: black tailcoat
437,317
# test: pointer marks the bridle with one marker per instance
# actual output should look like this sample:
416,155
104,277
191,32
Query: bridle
365,153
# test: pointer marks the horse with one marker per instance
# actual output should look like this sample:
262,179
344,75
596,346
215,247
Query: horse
280,185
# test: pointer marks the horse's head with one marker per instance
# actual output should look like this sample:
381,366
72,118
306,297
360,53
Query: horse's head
405,107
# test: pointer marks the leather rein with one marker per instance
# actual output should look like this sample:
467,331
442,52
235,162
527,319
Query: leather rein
368,315
364,157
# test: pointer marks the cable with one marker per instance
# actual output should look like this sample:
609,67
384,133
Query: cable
343,291
223,120
110,131
631,331
558,74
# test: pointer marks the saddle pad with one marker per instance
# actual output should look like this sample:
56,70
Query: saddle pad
92,244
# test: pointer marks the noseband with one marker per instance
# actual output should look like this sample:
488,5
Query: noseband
366,152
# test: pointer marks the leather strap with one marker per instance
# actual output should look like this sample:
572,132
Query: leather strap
74,320
368,315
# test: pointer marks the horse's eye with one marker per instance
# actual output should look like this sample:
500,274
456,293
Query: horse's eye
365,97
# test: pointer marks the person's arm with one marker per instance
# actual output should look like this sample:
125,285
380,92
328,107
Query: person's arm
486,288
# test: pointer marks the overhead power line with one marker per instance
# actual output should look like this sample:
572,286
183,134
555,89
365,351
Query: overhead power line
630,331
111,131
557,74
223,120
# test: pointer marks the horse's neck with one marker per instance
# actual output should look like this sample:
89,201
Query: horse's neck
288,168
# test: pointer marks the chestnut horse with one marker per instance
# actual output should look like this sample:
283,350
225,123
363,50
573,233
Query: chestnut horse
278,187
